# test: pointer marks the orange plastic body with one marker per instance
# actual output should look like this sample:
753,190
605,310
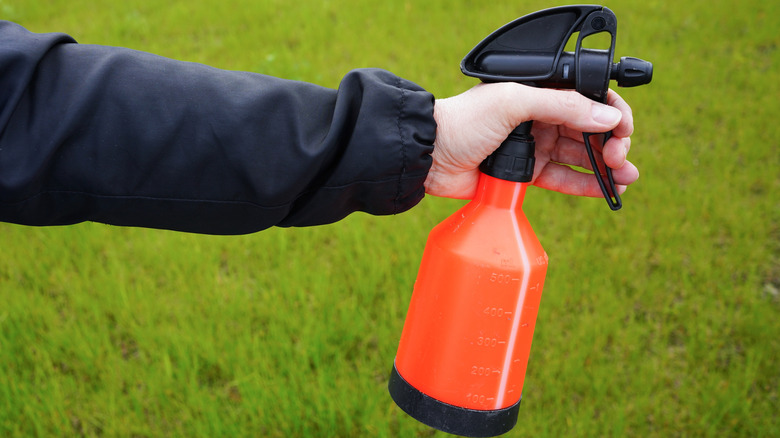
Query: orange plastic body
468,331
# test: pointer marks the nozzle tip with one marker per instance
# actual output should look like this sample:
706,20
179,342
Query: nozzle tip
632,72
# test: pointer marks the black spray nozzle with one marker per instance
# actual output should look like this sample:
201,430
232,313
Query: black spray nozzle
632,72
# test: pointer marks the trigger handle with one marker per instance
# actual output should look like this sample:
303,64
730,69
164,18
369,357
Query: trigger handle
611,195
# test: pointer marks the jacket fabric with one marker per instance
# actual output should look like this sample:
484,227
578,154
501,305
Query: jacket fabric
112,135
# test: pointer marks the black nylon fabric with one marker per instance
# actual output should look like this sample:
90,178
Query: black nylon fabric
95,133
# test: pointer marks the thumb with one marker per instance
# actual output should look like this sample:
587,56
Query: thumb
563,107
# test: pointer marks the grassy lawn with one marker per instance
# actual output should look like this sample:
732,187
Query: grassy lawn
660,320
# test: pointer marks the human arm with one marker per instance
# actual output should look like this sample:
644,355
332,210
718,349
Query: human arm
92,133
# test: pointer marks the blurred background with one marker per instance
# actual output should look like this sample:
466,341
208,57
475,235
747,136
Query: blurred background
659,320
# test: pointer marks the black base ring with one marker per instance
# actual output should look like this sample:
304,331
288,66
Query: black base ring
449,418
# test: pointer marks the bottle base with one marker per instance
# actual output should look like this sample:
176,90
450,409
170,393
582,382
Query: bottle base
449,418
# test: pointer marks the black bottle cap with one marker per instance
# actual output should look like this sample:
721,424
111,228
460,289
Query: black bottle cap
514,159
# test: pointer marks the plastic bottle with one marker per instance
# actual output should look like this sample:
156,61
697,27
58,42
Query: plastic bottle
462,357
464,349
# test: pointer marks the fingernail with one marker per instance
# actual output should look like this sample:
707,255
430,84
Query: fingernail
606,114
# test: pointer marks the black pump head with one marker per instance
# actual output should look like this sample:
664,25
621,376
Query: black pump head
532,50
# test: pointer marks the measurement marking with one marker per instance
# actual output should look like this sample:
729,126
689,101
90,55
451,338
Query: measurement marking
520,299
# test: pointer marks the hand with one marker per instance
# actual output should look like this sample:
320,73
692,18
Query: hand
473,124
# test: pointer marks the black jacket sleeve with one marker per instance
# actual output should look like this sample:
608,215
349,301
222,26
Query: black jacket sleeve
94,133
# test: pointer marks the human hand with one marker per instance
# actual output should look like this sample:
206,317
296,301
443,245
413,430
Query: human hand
473,124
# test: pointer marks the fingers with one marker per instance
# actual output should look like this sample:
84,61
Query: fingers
572,151
615,152
566,180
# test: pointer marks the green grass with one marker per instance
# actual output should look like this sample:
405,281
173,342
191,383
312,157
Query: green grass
659,320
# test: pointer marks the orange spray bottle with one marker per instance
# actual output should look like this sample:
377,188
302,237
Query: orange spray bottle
465,345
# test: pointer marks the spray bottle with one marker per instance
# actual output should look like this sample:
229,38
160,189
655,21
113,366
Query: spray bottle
464,349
